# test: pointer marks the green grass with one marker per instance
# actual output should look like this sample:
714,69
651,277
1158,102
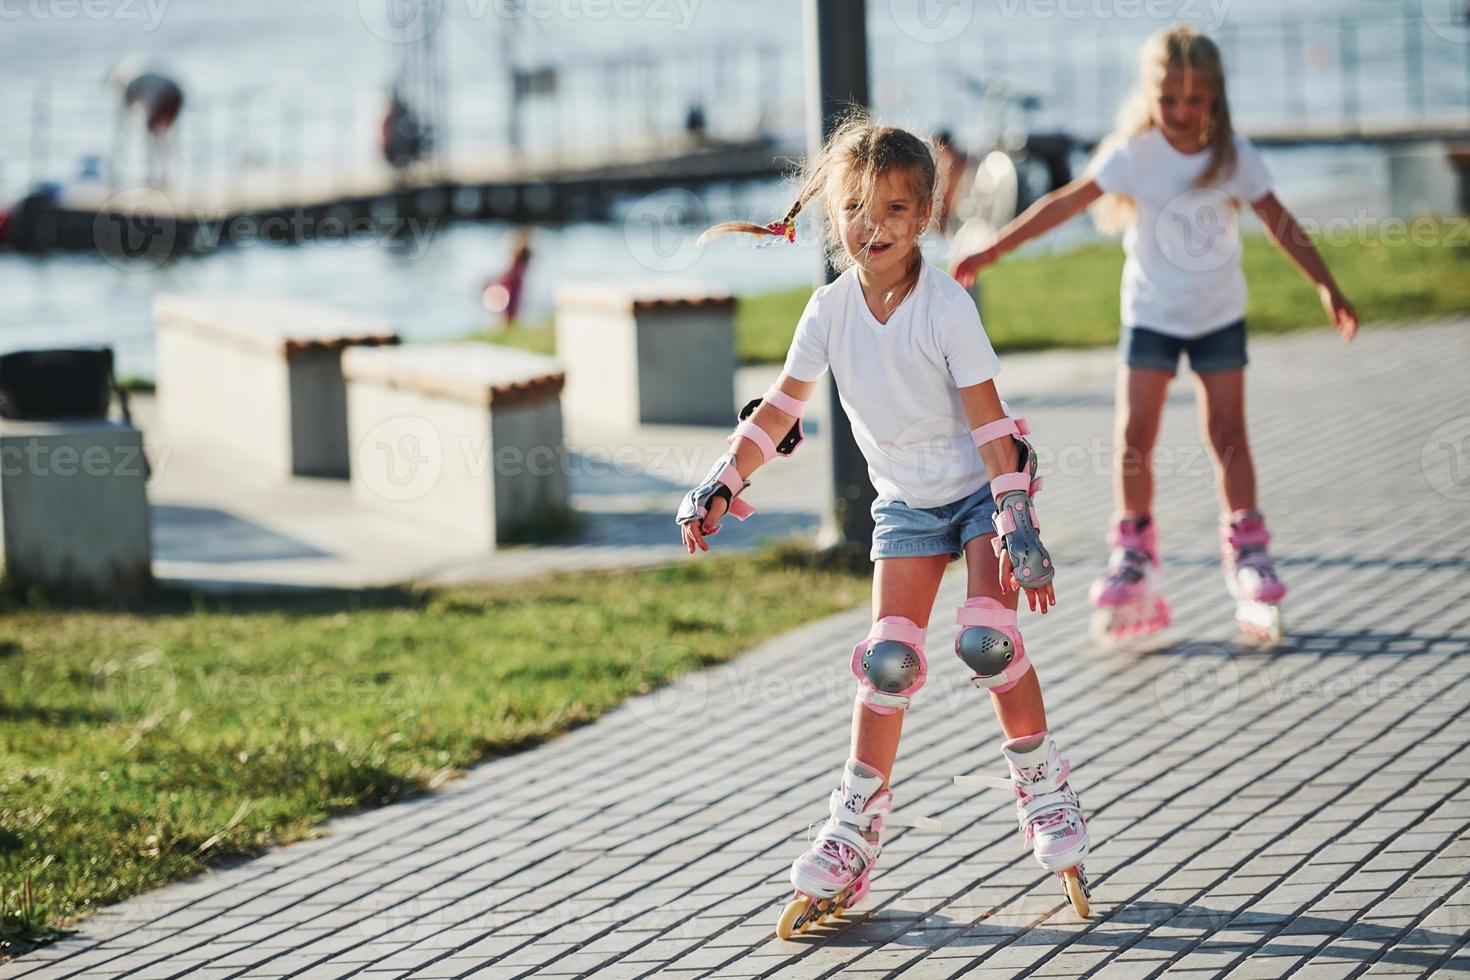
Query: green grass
1070,299
139,746
537,337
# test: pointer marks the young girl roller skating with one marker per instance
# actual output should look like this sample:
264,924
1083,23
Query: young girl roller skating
914,372
1170,179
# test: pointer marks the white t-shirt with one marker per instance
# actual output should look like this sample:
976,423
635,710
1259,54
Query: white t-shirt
899,381
1183,274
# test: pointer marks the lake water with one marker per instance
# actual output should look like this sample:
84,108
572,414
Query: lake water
276,56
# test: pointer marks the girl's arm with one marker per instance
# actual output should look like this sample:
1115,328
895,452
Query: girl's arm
1284,230
1056,208
1002,458
748,456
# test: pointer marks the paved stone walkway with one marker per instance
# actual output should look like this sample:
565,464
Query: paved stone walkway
1304,810
221,526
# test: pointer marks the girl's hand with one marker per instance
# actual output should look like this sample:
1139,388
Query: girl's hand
1043,597
1340,311
969,267
694,531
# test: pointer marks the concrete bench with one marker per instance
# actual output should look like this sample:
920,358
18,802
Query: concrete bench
467,437
73,510
648,354
259,378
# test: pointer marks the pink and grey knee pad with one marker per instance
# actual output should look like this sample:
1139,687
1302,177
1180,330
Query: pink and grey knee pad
890,665
990,644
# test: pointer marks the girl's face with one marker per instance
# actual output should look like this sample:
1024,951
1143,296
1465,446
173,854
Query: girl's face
881,238
1182,105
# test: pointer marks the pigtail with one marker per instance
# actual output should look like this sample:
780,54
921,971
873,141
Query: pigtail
785,228
855,156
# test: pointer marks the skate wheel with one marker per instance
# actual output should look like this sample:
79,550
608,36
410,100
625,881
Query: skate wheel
794,917
1076,890
1260,623
1102,628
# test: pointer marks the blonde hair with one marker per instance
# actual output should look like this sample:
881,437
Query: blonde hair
1184,48
858,154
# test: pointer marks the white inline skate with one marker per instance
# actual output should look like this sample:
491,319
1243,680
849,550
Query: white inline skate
832,876
1051,819
1126,597
1251,577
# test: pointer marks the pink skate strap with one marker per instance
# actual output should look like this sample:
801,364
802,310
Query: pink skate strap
897,628
1037,799
749,430
731,478
1246,532
774,396
984,611
1010,483
999,429
1005,521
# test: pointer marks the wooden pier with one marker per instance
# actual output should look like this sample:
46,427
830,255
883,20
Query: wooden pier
292,208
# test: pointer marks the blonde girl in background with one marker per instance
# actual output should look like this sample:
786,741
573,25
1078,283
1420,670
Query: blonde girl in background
915,374
1170,179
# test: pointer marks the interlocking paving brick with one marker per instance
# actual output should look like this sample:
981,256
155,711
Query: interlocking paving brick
1309,811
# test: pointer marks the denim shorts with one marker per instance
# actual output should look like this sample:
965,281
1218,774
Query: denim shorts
1218,350
901,531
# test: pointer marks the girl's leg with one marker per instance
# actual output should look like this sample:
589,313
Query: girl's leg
1046,805
1020,710
1140,406
1222,417
901,587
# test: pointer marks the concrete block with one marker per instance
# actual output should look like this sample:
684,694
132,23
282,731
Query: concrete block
648,354
259,379
73,509
466,437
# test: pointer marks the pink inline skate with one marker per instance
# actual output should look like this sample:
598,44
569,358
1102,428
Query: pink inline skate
1126,598
833,875
1047,809
1251,576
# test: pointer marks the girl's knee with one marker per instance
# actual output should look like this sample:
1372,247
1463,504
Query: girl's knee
1227,434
